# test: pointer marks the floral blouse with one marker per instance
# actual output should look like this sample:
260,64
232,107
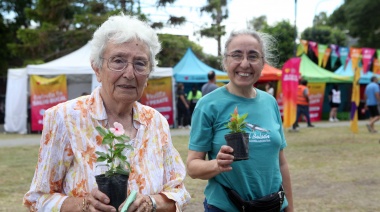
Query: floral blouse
67,160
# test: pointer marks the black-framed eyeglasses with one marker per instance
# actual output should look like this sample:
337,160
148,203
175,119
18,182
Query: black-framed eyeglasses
118,64
252,58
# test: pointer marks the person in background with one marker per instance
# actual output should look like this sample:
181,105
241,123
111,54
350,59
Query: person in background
372,97
334,100
269,88
211,84
183,108
245,54
123,51
193,97
302,104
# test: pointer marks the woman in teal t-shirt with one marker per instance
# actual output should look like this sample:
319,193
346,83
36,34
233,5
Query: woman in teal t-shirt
266,169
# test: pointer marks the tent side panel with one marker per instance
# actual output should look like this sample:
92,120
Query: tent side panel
16,101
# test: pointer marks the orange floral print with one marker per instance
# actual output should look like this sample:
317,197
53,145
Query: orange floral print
67,157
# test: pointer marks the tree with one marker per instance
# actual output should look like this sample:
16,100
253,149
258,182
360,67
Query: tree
8,29
174,48
258,23
283,31
324,35
359,18
218,11
65,25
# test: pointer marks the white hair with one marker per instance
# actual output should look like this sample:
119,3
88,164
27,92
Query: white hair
120,29
267,43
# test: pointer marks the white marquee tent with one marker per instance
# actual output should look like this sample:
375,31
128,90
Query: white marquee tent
80,78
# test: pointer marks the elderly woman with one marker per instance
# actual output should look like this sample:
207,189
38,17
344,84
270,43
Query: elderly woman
266,169
123,55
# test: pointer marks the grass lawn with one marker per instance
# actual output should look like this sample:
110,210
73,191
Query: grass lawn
331,170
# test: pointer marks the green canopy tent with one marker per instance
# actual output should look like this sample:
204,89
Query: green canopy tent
314,73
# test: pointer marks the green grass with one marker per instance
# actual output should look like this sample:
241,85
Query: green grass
331,170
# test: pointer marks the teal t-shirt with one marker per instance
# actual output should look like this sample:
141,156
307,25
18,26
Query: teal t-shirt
260,174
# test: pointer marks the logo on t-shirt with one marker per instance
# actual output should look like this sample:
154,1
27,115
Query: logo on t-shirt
258,134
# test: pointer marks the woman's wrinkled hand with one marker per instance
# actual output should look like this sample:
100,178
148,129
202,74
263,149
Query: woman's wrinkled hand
142,203
224,158
98,201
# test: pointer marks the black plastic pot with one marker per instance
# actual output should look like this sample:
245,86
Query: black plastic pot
115,187
240,143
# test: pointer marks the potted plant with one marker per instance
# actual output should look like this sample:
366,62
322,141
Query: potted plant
115,180
237,138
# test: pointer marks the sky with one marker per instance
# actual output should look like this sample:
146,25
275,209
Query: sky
240,11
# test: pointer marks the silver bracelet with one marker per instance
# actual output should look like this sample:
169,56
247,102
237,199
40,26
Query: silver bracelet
154,205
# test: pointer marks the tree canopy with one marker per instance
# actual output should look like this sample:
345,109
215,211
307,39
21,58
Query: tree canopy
360,20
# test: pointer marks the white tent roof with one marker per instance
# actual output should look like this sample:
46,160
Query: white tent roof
77,62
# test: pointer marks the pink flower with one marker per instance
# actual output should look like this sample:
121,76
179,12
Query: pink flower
118,130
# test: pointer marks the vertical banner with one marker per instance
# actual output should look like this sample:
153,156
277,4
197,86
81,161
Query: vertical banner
376,66
355,100
321,53
367,57
316,96
290,77
355,96
45,93
279,98
159,95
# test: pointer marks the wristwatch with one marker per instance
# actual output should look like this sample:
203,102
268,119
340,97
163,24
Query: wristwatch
154,206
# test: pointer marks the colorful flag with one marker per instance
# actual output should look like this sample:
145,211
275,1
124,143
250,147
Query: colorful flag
355,55
302,47
314,47
290,78
326,57
343,55
367,58
334,54
300,50
321,53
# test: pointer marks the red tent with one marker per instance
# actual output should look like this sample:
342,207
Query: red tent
270,73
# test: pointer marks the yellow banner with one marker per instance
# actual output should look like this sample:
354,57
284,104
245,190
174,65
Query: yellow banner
45,93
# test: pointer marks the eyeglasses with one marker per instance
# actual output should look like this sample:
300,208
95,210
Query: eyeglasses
252,58
118,64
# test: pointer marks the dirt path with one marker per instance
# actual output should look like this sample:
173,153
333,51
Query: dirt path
34,139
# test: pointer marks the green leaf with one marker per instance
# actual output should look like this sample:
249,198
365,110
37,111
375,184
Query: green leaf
120,145
123,158
118,151
124,137
122,171
101,154
120,139
128,146
101,131
101,159
107,140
